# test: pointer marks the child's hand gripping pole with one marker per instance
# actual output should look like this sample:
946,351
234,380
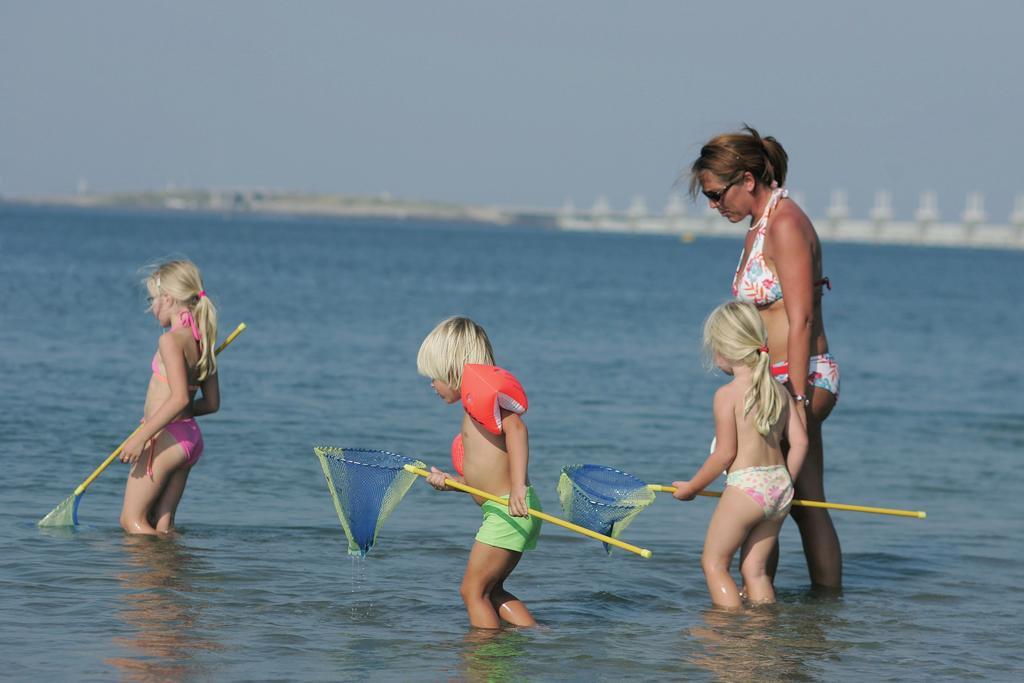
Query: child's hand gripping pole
642,552
919,514
66,513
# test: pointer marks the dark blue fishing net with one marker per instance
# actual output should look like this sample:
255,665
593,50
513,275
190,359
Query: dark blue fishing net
365,485
602,499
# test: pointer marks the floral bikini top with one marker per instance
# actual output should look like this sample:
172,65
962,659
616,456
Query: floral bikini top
184,320
754,281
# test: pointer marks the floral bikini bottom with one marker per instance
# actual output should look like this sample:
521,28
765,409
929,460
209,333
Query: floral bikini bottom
770,487
823,371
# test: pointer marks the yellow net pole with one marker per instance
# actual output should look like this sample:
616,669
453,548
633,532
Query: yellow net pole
919,514
642,552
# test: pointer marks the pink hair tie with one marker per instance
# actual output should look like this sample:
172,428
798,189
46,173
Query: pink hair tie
201,294
763,348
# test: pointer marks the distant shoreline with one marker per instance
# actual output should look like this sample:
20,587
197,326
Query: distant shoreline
279,203
675,221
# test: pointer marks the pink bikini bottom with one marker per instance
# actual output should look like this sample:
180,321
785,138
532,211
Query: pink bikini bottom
186,433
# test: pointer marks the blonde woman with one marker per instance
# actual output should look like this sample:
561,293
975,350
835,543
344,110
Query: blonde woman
164,451
742,176
753,414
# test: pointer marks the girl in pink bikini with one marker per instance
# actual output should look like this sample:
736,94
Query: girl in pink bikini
753,415
163,452
780,272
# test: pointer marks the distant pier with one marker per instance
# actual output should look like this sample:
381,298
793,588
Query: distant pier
878,227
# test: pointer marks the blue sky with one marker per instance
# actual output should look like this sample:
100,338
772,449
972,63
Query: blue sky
525,103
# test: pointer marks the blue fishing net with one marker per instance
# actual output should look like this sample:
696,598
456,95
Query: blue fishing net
365,485
602,499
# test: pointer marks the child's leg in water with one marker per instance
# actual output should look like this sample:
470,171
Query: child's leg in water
730,525
487,601
142,493
162,514
755,558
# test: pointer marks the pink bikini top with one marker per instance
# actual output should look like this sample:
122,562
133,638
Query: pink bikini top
184,320
754,282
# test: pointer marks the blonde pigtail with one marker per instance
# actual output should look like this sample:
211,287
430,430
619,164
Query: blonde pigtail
764,396
205,314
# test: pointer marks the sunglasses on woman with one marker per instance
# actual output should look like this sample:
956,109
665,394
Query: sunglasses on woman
717,196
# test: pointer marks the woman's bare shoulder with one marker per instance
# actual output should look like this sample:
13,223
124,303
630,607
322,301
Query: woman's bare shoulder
789,217
790,229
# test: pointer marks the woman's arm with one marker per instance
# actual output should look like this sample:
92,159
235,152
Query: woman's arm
796,434
517,443
794,264
173,357
723,454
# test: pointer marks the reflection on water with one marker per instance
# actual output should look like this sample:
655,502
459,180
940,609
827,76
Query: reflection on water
494,655
767,642
158,606
62,533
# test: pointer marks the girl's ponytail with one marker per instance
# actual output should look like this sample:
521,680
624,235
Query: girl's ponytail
764,396
205,314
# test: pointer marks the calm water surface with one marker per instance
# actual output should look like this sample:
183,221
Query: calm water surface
603,331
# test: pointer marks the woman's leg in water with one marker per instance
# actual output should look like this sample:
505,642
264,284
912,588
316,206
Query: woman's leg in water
818,534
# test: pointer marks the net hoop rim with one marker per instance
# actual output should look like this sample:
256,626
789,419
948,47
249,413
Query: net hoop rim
576,487
332,452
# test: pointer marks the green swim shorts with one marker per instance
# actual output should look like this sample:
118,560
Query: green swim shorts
502,530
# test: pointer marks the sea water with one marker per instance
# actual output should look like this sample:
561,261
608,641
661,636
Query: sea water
603,330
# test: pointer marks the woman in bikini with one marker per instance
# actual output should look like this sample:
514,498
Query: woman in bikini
163,452
742,176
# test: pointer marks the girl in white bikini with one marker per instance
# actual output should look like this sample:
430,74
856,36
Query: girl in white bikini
753,415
